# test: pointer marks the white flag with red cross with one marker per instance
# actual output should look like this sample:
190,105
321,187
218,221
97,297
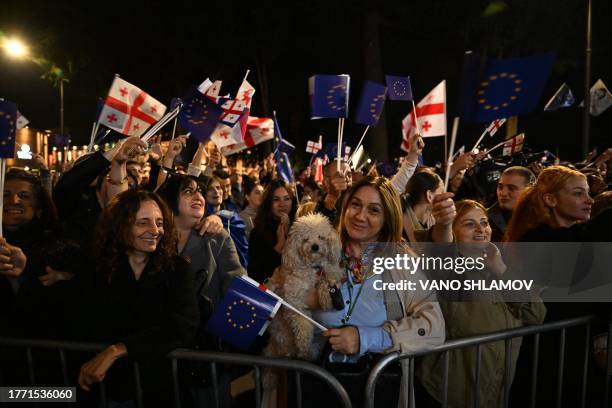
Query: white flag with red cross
258,131
513,145
495,125
224,135
232,111
245,93
129,110
431,116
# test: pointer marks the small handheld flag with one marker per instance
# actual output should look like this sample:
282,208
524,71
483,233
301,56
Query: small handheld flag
371,103
513,145
129,110
431,112
400,88
563,98
329,96
244,313
601,98
199,115
8,127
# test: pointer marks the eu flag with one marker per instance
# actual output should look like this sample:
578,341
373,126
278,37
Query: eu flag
8,120
243,313
371,103
329,96
282,145
283,166
400,88
500,88
199,115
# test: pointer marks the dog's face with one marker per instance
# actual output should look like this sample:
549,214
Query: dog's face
313,241
314,248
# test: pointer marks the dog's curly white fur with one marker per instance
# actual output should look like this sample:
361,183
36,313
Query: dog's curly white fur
310,259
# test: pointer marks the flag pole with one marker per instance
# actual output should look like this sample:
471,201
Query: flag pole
293,309
94,130
497,146
586,119
416,119
358,144
479,140
452,147
339,143
2,169
246,75
174,127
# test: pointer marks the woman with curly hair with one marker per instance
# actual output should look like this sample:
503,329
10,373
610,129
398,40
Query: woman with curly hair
144,296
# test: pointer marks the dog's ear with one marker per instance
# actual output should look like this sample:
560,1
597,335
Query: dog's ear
335,246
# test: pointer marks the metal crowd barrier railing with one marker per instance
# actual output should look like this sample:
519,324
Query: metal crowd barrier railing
507,336
213,358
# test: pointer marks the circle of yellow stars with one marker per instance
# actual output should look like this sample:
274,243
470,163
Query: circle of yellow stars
374,105
330,97
241,325
501,76
11,123
399,88
189,114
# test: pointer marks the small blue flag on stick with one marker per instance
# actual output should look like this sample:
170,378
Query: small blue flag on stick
329,96
400,88
199,115
244,313
371,103
8,127
563,98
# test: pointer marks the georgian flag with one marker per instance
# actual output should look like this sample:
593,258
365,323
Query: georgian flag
258,131
129,110
232,111
513,145
245,93
431,116
495,125
312,147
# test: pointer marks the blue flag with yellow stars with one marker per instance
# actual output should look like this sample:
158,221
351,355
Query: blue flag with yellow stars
244,313
500,88
282,144
371,103
199,115
8,126
400,88
329,96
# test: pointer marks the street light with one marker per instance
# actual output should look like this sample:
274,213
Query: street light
15,48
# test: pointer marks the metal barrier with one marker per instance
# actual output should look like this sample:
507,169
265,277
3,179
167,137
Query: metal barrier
507,336
213,358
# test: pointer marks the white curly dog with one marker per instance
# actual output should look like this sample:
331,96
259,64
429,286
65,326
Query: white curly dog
310,259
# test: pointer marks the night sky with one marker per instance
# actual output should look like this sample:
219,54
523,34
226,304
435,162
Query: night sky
165,49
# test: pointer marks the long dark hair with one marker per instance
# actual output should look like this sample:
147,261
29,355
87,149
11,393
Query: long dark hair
45,213
114,233
264,221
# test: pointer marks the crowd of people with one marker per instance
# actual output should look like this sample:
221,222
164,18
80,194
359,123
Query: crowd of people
132,249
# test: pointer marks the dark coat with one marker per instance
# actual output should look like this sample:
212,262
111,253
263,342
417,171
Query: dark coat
263,259
151,316
76,199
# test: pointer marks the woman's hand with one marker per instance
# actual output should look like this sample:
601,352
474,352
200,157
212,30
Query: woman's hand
417,144
281,233
344,340
12,259
494,261
210,225
95,369
53,276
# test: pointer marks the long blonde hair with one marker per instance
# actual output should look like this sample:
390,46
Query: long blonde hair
531,210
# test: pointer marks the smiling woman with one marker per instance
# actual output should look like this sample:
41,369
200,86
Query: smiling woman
144,297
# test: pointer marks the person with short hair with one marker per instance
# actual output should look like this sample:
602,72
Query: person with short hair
510,185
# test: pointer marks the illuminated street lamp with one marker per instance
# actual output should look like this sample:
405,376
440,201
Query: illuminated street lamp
15,48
